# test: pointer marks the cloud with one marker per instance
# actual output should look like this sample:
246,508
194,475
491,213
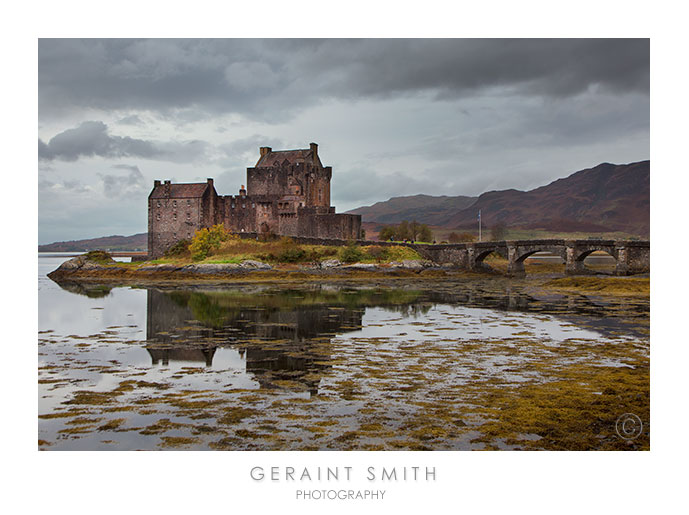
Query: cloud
118,186
272,79
92,138
131,120
393,117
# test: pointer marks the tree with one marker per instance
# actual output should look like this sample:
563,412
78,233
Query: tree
206,241
425,233
387,232
403,232
461,237
498,232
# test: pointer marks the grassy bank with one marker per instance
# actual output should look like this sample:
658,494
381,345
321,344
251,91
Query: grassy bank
286,251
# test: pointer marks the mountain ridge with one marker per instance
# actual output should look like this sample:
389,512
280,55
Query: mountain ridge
606,197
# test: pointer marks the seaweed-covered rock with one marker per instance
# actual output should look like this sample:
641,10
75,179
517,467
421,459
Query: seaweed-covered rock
361,266
163,267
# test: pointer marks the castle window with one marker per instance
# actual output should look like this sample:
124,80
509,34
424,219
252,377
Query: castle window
174,216
158,216
174,203
188,215
159,203
188,202
232,206
253,205
243,205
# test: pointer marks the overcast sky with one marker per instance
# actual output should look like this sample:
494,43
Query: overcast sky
392,117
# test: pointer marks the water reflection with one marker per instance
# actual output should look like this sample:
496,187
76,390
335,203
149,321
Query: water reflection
285,367
282,334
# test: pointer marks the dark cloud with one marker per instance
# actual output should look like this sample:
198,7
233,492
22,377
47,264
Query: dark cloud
269,79
93,139
393,117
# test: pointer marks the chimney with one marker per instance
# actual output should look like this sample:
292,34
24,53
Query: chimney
314,148
242,192
265,150
166,185
210,182
156,183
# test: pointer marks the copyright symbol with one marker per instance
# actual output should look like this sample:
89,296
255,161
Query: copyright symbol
628,426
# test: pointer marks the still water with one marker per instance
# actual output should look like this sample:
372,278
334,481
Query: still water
380,366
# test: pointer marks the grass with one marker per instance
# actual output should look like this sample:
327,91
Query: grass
286,251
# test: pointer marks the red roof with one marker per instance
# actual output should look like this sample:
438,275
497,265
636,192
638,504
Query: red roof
293,156
193,190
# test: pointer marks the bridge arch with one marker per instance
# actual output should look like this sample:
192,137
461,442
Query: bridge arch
583,266
519,252
481,251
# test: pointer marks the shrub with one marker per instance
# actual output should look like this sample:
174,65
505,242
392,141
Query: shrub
291,254
99,256
351,254
178,249
206,241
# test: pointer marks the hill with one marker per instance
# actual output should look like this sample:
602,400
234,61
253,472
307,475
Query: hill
425,209
134,242
606,198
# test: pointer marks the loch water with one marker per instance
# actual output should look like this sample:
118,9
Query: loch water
378,365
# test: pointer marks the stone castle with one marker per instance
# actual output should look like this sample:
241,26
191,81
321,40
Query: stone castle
287,193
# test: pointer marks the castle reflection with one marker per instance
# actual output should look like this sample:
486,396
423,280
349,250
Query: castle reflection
282,335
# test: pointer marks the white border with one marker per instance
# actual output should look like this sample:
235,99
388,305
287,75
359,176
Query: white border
182,482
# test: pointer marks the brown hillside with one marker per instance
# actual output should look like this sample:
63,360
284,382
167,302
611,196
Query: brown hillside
607,197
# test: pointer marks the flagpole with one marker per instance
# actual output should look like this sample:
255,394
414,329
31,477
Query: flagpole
479,225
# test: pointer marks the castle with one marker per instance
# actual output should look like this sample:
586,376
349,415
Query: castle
287,193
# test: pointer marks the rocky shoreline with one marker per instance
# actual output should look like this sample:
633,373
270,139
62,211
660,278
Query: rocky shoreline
84,268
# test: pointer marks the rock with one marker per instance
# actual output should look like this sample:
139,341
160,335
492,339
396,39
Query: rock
331,263
210,268
71,265
414,264
255,265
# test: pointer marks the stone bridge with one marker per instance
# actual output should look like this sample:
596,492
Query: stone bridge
632,257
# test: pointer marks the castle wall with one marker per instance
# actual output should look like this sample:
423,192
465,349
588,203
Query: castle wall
312,224
284,198
239,213
171,220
